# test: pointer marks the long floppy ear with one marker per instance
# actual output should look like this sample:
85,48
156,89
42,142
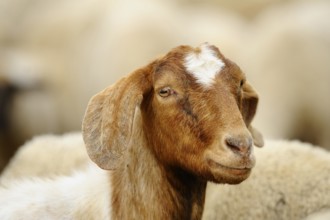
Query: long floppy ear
249,108
108,121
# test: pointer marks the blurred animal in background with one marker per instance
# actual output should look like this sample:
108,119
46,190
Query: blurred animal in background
288,58
49,149
76,47
21,94
6,93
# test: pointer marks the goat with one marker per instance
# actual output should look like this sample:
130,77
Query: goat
159,134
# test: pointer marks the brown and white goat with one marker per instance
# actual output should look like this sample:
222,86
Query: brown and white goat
164,131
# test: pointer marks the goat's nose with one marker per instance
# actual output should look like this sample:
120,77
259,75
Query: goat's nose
239,144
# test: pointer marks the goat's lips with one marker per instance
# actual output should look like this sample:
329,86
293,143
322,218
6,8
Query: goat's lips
237,171
232,169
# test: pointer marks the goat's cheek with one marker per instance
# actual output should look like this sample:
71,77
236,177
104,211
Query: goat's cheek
164,134
177,138
172,143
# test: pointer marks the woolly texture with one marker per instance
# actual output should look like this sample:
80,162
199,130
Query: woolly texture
83,195
47,155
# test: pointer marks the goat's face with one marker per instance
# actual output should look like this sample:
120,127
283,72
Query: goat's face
194,116
196,112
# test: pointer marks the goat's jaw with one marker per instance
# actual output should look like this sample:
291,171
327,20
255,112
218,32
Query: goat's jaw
233,170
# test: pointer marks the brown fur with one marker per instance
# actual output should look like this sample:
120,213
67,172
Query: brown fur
164,149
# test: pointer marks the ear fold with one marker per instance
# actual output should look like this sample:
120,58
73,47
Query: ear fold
108,121
249,108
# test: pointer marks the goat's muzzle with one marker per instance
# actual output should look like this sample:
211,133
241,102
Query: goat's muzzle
233,160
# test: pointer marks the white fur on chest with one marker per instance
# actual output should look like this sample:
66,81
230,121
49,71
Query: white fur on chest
204,65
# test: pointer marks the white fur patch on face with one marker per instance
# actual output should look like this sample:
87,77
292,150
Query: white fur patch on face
204,65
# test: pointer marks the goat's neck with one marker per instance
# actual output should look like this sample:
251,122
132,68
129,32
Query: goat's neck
142,188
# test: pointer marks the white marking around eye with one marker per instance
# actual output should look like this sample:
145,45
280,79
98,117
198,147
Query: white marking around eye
204,65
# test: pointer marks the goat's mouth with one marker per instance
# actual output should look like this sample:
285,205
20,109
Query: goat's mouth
232,174
233,170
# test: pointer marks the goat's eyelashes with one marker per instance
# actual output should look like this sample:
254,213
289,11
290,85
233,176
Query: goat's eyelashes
166,92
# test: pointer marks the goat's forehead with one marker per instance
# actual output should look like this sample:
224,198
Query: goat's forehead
203,64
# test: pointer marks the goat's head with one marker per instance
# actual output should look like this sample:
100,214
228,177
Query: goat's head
196,109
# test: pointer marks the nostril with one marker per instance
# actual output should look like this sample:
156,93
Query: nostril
239,145
232,144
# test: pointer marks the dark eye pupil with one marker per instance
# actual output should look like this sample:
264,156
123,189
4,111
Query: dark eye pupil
165,92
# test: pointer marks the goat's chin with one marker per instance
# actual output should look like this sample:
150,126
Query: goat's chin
230,177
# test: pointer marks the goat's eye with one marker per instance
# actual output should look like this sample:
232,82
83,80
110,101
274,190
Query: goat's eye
165,92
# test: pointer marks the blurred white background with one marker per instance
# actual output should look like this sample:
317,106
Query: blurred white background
54,55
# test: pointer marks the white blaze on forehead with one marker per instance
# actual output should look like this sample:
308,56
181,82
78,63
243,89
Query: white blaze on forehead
204,65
